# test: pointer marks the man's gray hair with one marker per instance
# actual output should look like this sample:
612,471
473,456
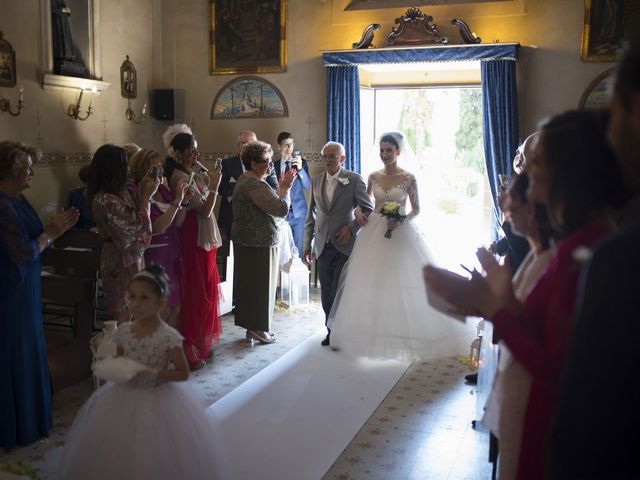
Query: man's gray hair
334,144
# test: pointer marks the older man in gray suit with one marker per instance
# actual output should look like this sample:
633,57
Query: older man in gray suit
330,221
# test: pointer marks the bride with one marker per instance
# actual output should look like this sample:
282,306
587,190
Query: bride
381,308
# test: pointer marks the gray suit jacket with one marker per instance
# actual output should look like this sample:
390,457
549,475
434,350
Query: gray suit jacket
324,219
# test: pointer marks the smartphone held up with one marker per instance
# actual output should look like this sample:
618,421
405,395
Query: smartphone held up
156,172
192,177
296,154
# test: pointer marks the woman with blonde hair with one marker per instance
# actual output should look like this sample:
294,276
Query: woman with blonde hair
25,396
167,216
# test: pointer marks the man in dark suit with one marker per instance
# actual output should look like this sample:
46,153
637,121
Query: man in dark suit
330,222
597,415
231,170
298,209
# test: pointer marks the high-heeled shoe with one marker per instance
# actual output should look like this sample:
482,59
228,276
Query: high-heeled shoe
262,337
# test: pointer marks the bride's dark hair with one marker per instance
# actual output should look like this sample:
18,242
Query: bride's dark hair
399,141
390,138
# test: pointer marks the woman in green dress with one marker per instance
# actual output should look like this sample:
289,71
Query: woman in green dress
255,240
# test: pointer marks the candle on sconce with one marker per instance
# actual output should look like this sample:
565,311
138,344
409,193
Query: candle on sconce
94,90
21,96
80,97
144,109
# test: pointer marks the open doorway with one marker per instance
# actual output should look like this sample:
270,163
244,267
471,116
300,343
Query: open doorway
444,127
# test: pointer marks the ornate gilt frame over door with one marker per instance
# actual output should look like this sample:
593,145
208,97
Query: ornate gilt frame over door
247,36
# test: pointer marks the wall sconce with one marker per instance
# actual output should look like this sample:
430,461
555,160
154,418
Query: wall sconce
74,110
5,104
130,114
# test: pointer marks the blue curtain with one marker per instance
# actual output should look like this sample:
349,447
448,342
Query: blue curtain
343,112
499,122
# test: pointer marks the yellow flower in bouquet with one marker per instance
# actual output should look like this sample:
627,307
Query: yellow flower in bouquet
393,211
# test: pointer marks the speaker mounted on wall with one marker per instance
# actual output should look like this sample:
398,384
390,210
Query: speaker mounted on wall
163,104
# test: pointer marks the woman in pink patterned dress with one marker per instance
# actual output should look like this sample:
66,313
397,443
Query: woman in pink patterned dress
123,220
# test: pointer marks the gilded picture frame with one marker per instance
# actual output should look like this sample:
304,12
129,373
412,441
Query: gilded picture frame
247,36
8,76
249,96
596,95
606,24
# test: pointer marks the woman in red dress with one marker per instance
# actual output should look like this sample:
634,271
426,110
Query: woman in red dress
200,295
574,174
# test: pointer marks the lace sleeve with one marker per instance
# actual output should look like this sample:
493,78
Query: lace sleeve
173,338
266,200
412,192
15,239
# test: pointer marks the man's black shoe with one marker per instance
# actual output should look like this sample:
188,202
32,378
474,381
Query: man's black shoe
471,379
326,342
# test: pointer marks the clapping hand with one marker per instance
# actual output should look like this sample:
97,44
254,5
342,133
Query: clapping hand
462,293
61,222
498,279
287,178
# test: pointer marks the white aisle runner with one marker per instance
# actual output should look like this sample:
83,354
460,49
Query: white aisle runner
294,418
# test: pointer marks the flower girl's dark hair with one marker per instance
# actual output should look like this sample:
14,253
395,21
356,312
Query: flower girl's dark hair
155,276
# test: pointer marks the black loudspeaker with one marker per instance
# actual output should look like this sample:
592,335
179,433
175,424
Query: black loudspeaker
163,104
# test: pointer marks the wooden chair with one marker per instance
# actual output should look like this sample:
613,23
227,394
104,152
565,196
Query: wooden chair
70,283
75,254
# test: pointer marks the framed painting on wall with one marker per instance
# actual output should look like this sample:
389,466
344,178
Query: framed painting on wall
7,63
606,24
247,36
249,97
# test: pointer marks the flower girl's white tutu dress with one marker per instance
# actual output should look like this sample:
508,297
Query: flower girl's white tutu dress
381,309
140,430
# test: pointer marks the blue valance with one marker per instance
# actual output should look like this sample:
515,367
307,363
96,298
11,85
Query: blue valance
431,53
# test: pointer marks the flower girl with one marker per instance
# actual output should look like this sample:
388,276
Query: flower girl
147,426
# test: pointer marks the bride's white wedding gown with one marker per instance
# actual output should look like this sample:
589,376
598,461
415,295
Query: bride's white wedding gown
381,308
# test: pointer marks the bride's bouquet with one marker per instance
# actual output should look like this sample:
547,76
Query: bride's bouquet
393,211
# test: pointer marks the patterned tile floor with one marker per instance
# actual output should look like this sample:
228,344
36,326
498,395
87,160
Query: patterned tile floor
420,431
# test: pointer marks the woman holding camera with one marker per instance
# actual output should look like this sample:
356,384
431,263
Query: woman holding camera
167,216
199,295
122,218
255,237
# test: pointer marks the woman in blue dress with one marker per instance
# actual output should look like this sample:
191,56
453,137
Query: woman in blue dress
25,395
